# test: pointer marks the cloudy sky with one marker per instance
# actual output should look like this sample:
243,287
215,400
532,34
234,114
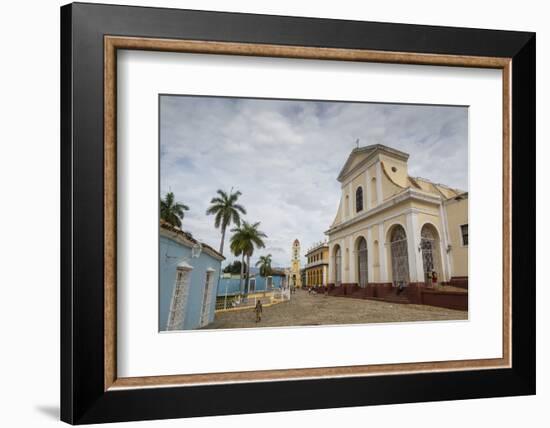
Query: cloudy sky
284,156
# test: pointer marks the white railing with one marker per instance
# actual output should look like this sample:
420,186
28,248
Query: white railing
249,300
281,295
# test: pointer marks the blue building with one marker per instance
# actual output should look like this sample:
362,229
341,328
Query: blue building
189,272
230,283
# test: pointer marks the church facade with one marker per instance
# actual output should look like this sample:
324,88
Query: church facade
393,231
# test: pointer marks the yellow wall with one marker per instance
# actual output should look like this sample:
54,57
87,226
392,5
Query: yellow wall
400,176
373,192
345,202
389,188
314,274
457,214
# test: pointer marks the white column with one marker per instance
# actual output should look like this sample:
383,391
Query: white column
367,189
351,273
445,258
382,253
350,202
416,270
378,183
370,255
330,265
443,276
324,279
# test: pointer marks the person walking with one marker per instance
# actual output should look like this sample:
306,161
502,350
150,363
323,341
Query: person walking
434,278
258,309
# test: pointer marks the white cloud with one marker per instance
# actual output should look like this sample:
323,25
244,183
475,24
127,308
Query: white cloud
284,156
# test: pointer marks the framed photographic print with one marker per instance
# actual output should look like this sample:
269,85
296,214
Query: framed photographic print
265,213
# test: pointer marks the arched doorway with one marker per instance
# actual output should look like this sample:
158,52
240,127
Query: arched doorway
429,243
337,265
362,259
399,256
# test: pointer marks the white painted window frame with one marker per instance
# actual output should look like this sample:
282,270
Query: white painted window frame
207,296
180,294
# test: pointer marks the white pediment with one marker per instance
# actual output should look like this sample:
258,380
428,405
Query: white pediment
360,155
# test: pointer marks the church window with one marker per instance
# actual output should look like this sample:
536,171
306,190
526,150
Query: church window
464,233
359,199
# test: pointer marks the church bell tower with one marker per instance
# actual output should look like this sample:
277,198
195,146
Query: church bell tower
295,274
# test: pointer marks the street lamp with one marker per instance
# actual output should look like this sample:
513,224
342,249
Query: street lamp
196,251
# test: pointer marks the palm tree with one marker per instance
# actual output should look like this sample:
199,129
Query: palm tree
245,239
225,208
264,262
171,211
239,248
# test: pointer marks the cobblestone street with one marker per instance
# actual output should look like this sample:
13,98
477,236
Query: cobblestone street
308,309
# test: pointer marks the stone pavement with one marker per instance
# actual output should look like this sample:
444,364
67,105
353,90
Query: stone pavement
308,309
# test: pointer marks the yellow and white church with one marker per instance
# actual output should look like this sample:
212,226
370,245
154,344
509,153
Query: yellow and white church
393,231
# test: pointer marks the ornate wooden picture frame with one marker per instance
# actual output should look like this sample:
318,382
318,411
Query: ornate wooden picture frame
91,390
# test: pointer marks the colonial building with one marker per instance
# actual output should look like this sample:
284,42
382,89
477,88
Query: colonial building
317,265
189,272
295,277
392,230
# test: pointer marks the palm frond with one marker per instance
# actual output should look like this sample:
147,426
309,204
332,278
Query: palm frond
222,194
234,196
218,201
182,206
240,208
236,218
213,209
171,211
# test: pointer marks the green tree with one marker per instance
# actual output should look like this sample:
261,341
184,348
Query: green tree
233,268
171,211
227,211
264,262
244,240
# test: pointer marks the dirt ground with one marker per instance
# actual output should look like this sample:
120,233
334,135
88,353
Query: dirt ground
308,309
